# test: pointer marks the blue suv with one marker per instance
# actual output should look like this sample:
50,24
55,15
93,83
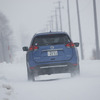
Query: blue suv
50,53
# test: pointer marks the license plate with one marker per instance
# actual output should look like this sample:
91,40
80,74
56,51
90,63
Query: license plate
52,53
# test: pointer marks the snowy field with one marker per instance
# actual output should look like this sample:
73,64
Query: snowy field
14,84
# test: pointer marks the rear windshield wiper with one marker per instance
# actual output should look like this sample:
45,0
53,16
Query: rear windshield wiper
56,43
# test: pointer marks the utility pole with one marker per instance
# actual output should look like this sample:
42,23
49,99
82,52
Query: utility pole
60,17
80,35
3,51
68,18
96,30
56,19
47,27
51,23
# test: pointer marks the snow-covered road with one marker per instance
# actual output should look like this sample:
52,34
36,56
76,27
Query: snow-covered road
14,84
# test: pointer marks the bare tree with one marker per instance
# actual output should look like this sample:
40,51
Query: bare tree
5,40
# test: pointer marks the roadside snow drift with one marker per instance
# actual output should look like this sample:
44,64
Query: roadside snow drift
14,84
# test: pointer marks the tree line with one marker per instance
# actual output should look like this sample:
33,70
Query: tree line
6,41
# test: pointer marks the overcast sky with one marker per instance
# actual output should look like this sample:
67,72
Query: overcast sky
26,17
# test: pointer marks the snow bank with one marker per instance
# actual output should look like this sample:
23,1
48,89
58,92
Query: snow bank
14,84
90,68
6,91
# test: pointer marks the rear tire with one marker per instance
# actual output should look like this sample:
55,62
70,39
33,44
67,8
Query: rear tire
30,75
75,72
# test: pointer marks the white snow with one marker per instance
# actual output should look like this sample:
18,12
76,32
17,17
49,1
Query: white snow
14,84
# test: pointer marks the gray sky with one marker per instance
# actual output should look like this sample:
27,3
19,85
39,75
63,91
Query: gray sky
28,14
27,17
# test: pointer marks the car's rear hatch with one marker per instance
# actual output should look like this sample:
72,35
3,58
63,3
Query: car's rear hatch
53,51
59,53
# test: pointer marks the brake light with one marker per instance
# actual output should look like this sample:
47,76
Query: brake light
33,48
31,67
75,64
70,45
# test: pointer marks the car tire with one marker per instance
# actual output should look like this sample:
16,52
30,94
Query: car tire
30,75
76,72
33,77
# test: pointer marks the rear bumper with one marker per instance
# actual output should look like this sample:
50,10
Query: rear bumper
54,68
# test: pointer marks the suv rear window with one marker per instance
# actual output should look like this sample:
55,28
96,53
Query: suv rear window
51,39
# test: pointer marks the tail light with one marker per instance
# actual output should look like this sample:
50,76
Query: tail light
75,64
70,45
33,48
31,67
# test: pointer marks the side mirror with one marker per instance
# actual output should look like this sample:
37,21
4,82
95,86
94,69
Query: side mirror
76,44
25,48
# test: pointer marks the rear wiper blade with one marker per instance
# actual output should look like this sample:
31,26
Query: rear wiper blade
56,43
